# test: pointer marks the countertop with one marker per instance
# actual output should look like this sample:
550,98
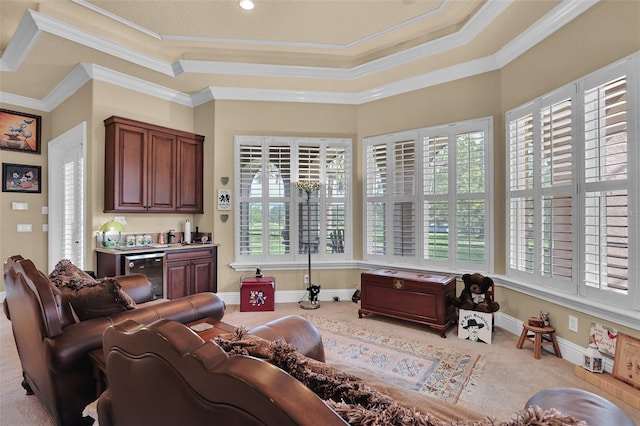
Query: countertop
154,248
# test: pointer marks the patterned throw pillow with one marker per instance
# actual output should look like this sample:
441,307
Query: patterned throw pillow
89,297
66,274
103,298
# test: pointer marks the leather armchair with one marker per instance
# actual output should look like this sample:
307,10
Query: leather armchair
164,373
54,346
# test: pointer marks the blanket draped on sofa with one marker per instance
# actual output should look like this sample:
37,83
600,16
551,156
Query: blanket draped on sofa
357,402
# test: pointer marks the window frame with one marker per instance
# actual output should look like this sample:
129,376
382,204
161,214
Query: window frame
451,130
577,291
294,197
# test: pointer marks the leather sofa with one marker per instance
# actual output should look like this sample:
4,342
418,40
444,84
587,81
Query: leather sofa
53,345
165,374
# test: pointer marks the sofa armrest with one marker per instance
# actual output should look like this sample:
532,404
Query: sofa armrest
295,330
137,286
67,349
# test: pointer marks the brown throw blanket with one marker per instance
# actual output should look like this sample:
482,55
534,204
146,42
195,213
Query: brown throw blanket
354,400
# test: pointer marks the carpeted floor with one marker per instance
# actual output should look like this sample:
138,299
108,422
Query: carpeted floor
507,380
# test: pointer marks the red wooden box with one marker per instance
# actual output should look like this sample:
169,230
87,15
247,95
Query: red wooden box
257,294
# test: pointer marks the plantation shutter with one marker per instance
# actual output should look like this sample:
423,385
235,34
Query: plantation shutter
309,169
521,208
606,210
436,191
73,195
279,187
250,203
557,199
336,181
404,214
470,194
375,192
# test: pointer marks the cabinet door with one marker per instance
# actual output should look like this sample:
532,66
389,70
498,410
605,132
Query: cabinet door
203,274
178,278
130,164
190,177
161,172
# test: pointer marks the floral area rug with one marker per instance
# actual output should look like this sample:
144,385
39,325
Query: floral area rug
435,371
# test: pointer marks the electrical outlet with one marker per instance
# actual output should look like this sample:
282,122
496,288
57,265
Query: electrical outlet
573,324
306,278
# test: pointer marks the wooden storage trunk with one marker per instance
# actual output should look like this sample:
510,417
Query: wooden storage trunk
413,296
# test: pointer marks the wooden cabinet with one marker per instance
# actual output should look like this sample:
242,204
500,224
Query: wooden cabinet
413,296
191,271
151,168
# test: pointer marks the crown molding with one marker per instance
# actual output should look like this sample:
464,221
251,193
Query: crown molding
30,28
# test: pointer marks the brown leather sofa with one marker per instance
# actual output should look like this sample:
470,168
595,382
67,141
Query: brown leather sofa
53,345
165,374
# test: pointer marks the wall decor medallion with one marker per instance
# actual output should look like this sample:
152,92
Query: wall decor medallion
224,217
224,180
21,178
224,199
20,131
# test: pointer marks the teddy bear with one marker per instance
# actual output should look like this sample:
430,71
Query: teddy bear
475,296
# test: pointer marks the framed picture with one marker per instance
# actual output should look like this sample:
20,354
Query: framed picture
626,365
475,326
21,178
224,199
20,131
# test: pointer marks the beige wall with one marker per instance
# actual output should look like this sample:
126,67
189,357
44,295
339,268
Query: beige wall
605,33
32,245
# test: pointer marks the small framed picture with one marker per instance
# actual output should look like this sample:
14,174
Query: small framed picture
20,131
224,199
626,365
475,326
21,178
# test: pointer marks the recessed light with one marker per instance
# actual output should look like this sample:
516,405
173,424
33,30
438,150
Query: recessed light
247,4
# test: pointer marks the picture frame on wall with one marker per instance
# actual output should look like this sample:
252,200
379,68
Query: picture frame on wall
626,365
21,178
20,131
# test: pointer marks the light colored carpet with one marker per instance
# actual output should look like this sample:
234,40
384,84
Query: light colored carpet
510,376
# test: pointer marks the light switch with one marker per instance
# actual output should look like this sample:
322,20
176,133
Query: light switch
45,210
45,227
24,227
19,206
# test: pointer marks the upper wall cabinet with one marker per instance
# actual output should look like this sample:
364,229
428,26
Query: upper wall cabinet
152,169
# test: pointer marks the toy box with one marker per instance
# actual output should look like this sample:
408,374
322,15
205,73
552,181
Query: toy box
257,294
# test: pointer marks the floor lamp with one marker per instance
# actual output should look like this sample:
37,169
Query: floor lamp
313,290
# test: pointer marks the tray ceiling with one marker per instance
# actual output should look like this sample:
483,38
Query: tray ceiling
192,51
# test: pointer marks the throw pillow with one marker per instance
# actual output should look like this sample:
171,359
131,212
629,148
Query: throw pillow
66,274
99,299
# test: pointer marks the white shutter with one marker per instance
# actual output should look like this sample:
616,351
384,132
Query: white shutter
375,191
404,212
73,195
436,189
250,199
336,181
606,262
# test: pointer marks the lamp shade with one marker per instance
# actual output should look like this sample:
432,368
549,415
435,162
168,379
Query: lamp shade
111,234
112,226
593,359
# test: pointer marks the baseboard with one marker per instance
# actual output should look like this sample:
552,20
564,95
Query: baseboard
569,350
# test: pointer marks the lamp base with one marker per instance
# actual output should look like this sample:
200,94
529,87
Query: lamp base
311,297
309,305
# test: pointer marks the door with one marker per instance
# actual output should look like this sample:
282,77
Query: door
178,278
67,184
203,273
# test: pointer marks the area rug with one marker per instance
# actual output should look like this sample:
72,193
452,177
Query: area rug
435,371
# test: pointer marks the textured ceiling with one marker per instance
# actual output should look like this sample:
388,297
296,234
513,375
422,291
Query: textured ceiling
194,50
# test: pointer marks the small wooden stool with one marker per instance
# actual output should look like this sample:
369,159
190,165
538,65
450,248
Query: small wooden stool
542,336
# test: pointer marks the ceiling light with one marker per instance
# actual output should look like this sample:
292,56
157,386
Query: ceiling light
247,4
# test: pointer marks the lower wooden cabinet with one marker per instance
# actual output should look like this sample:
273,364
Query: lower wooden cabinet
191,271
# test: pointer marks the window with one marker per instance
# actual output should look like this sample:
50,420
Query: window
426,197
570,190
276,222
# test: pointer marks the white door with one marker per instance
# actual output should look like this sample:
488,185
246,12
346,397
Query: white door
67,183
